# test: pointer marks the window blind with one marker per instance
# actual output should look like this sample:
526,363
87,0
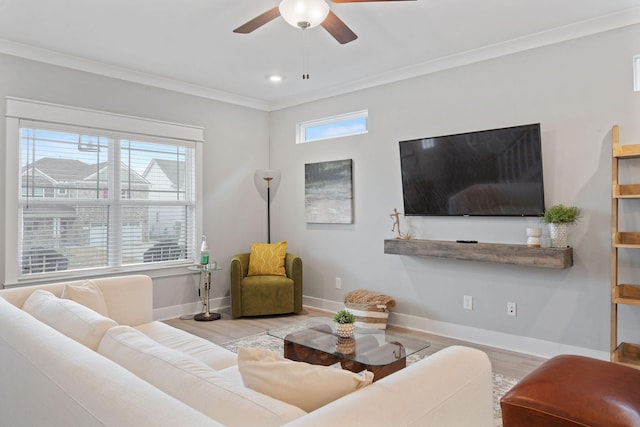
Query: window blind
91,198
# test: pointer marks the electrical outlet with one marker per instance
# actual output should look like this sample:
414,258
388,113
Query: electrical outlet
467,302
511,308
338,283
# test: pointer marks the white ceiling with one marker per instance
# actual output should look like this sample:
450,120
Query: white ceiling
189,45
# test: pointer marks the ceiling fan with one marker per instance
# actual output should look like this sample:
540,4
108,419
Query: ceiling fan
306,14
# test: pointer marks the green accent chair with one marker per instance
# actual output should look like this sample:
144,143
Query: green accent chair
262,295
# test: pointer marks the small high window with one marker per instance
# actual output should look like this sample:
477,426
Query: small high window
332,127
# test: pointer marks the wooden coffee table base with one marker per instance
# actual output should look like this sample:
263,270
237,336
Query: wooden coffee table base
300,353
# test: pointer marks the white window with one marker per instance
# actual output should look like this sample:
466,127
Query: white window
98,191
332,127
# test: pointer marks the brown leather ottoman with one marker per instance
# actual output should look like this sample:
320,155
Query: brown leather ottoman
574,391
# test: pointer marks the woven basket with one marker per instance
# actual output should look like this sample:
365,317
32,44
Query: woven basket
370,308
368,318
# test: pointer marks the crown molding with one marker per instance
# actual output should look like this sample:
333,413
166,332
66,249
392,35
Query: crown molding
95,67
585,28
577,30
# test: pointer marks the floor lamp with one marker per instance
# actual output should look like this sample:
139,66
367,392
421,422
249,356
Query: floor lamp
269,178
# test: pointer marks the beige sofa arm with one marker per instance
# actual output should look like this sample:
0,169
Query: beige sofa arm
450,388
129,298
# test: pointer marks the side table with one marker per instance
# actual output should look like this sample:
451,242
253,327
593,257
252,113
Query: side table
205,283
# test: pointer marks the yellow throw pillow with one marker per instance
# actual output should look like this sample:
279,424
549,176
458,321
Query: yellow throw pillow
301,384
267,259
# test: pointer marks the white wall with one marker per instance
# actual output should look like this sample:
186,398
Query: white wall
577,90
235,146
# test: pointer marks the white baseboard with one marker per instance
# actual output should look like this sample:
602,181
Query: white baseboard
322,304
174,311
517,343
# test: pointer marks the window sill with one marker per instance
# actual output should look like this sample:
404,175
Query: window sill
173,269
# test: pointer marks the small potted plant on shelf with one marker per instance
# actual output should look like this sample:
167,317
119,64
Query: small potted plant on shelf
345,323
558,217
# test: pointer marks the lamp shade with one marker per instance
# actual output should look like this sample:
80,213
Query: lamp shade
304,13
264,178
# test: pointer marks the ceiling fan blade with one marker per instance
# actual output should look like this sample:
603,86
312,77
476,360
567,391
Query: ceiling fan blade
363,1
258,21
338,29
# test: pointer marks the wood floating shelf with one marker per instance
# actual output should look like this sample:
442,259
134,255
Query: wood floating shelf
500,253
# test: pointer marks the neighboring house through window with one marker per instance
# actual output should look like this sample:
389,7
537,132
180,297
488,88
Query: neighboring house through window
98,191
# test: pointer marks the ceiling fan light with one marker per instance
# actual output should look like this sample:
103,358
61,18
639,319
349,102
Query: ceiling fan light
304,13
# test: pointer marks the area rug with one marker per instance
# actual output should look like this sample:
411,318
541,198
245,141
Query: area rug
501,383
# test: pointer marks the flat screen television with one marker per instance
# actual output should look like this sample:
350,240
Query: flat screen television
495,172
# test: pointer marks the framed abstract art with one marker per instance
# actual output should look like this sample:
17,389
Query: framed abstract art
328,192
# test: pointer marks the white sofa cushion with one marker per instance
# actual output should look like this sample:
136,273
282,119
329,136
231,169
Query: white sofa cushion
192,382
72,319
450,388
306,386
48,379
205,351
87,294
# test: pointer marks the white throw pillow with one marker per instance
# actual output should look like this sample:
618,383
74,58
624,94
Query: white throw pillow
301,384
87,294
68,317
192,382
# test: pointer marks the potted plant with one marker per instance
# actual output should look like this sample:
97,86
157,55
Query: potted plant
558,217
344,322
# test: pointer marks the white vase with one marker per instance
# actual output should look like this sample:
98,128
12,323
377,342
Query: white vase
558,235
533,237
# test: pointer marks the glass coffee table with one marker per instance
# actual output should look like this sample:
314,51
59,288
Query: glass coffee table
314,341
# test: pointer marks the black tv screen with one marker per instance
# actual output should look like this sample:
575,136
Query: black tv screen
494,172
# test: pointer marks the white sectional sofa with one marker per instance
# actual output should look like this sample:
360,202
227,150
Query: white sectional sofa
125,369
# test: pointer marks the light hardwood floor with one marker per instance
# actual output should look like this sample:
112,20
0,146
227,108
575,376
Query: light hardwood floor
515,365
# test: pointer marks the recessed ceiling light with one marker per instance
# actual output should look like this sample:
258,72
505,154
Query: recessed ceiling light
275,78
